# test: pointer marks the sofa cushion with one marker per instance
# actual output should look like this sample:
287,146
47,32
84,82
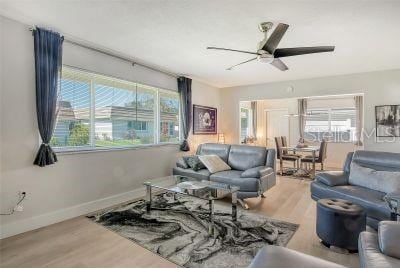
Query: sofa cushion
214,163
257,172
193,162
242,157
202,174
371,200
222,150
180,162
377,160
332,178
389,235
383,181
232,177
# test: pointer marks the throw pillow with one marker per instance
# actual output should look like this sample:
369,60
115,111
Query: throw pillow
193,162
214,163
181,163
382,181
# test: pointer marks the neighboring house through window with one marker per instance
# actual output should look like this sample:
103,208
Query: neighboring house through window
97,111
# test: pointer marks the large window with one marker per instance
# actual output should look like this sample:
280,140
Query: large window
331,124
97,111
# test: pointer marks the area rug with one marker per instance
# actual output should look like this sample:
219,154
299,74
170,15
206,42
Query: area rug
178,231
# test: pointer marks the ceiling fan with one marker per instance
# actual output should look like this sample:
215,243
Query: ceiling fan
269,53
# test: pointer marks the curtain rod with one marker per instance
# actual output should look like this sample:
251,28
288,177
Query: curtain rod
115,55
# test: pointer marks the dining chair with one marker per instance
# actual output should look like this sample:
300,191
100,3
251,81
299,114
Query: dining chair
285,157
320,158
285,144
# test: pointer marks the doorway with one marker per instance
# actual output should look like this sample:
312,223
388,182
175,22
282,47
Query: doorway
277,125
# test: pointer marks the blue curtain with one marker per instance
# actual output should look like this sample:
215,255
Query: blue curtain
185,95
48,59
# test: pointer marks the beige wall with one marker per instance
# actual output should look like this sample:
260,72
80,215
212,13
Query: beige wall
378,87
78,183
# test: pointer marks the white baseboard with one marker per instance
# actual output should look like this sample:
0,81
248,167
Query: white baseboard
36,222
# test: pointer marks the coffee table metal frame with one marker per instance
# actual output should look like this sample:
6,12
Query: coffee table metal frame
212,186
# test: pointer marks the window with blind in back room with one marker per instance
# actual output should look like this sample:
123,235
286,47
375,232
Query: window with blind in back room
96,111
331,124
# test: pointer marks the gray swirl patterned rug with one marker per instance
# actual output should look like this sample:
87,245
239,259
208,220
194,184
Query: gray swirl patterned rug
178,231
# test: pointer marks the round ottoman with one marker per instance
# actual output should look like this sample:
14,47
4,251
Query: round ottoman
339,223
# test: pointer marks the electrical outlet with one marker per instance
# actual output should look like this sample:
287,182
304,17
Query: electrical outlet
19,207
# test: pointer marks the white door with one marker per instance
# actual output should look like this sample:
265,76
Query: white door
277,125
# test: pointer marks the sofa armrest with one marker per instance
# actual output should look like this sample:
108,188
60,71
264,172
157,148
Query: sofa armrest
257,172
274,256
370,254
333,178
271,159
389,234
180,162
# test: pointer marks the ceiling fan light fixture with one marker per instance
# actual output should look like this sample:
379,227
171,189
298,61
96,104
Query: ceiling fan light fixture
265,58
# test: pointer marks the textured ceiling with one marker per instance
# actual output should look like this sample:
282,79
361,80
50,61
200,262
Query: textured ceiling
174,34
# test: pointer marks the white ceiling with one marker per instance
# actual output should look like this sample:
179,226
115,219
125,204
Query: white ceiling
174,34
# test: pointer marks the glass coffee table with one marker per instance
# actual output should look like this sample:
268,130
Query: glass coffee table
201,189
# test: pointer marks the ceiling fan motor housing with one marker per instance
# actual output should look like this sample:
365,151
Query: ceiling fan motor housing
265,26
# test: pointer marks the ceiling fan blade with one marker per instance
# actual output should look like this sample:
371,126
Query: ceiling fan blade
287,52
275,38
230,68
279,64
234,50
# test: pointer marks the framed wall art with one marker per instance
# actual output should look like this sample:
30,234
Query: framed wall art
387,120
204,120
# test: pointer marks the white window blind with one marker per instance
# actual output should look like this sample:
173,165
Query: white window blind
97,111
332,124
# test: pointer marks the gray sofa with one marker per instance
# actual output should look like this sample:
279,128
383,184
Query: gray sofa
380,250
253,167
335,184
376,250
280,257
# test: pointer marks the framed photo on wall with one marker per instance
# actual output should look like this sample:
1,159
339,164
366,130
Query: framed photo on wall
387,120
204,120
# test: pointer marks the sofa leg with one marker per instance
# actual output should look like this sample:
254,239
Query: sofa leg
262,195
243,204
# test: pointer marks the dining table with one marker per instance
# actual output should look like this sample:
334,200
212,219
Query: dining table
313,150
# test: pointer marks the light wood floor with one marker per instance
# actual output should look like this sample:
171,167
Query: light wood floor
81,243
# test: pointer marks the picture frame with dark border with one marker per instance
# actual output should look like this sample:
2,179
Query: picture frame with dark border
204,120
387,118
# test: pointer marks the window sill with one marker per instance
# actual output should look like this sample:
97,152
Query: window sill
86,150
